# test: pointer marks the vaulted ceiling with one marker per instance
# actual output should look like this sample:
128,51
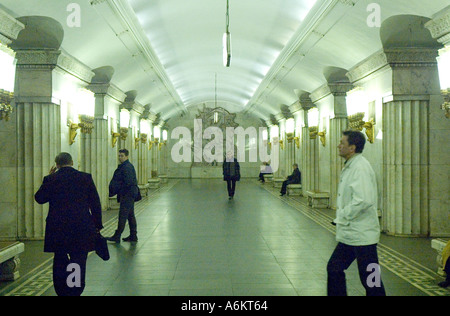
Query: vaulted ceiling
170,51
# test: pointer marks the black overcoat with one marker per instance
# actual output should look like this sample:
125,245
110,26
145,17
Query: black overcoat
75,212
227,171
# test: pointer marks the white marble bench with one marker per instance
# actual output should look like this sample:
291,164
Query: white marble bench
9,260
318,199
163,178
154,183
278,182
268,177
439,245
294,190
113,204
144,189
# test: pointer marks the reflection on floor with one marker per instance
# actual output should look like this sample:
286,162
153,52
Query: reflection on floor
194,241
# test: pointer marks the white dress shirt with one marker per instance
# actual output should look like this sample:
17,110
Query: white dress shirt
357,203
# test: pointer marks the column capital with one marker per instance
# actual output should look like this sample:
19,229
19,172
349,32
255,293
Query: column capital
306,103
393,58
107,89
37,59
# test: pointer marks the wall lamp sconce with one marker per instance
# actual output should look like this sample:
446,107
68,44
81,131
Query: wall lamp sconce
114,137
153,142
86,123
446,105
5,104
444,78
144,138
136,142
314,132
281,142
164,139
73,127
291,138
357,107
124,123
123,133
86,126
356,122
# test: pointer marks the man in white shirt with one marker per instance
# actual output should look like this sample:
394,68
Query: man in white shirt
357,225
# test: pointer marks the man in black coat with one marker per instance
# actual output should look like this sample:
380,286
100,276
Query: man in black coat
231,174
124,183
294,178
73,222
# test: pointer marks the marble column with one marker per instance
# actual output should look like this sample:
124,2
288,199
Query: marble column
439,200
406,145
9,30
151,118
96,148
310,175
406,166
284,169
338,124
38,132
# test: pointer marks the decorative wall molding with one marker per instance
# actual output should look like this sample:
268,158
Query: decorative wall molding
9,28
440,26
133,106
368,66
295,107
75,67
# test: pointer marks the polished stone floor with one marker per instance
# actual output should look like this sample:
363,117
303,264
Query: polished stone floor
194,241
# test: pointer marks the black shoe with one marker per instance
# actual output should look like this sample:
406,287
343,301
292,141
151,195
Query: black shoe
131,238
282,194
445,284
115,238
230,197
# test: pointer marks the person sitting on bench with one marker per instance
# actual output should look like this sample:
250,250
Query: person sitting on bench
294,178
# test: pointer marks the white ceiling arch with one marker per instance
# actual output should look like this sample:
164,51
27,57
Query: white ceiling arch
169,51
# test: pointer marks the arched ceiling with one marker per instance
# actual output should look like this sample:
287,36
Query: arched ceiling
170,51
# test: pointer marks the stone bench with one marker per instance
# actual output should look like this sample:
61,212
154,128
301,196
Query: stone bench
113,205
154,183
439,245
163,178
278,182
9,260
318,199
144,189
294,190
268,177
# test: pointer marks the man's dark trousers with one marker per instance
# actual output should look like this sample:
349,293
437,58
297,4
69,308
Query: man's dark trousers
61,261
126,212
341,259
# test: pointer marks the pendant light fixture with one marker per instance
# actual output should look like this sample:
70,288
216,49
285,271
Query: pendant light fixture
227,39
216,113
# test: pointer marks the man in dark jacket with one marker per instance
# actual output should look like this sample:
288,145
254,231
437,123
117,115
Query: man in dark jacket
231,174
124,183
73,222
294,178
